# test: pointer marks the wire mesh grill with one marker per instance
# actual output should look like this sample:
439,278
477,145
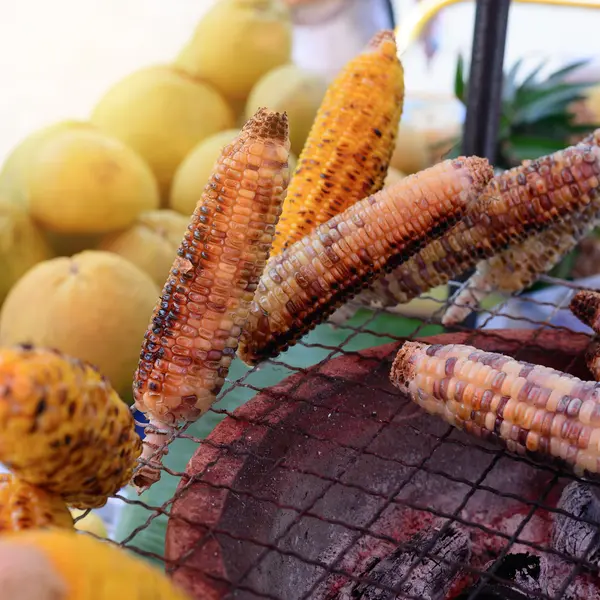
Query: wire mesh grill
356,533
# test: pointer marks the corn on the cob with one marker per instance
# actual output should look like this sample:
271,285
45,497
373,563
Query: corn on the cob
585,305
520,265
307,282
194,331
62,426
527,408
346,155
24,506
515,205
63,565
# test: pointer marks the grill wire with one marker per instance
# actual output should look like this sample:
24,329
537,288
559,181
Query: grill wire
426,465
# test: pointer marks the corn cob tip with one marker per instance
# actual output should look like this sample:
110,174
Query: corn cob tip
403,367
585,305
268,124
480,169
383,38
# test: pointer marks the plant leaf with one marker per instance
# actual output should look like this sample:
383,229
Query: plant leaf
459,80
560,73
523,147
509,85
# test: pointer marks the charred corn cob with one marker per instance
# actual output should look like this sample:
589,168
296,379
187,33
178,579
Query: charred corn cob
585,305
515,205
520,265
194,330
63,565
346,155
63,428
302,286
527,408
23,506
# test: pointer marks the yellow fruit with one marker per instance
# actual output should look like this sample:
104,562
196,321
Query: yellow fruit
195,170
91,523
94,306
293,90
22,245
14,173
84,181
393,176
412,151
150,243
162,113
236,43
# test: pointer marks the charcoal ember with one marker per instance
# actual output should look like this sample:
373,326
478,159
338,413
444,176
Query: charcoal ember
572,536
403,571
517,577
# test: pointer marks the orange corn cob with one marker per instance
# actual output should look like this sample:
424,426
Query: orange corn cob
346,155
306,283
23,506
520,265
527,408
63,565
585,305
516,204
194,331
63,428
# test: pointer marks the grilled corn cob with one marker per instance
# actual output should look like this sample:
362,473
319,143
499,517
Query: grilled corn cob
23,506
585,305
194,331
63,428
302,286
516,204
346,155
527,408
520,265
63,565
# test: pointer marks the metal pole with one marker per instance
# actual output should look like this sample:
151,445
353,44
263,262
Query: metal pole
484,96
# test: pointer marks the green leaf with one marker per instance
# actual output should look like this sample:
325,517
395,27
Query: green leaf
459,80
560,74
509,85
521,148
538,104
531,78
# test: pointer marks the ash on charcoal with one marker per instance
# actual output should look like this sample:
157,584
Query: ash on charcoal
427,578
570,535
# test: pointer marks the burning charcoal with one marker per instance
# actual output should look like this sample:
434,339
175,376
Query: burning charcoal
522,569
570,535
427,578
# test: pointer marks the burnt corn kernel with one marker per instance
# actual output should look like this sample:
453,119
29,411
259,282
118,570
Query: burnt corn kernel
585,305
24,506
529,409
194,330
303,285
516,205
63,428
349,147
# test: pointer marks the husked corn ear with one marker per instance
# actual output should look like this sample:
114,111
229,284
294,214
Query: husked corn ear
24,506
515,205
194,330
585,305
63,565
63,428
346,155
520,265
306,283
526,408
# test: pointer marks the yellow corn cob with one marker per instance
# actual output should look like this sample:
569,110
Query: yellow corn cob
585,305
23,506
63,565
194,330
306,283
62,426
527,408
346,155
520,265
516,204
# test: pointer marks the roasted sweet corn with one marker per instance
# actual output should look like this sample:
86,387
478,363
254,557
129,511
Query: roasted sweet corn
516,204
527,408
194,330
585,305
302,286
520,265
23,506
63,565
346,155
63,428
